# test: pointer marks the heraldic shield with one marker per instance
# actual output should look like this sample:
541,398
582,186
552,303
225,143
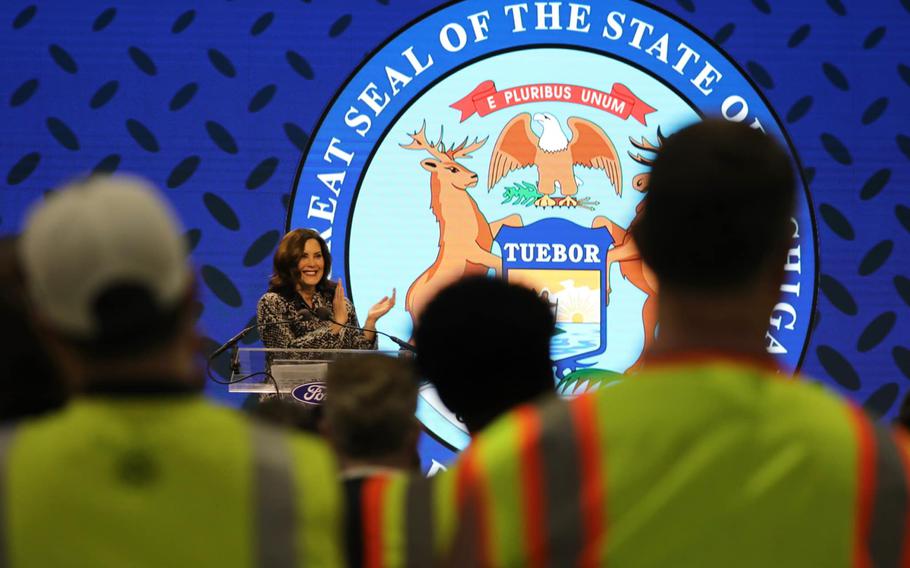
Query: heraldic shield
564,264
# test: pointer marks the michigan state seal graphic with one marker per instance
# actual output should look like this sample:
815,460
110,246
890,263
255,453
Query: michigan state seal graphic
515,139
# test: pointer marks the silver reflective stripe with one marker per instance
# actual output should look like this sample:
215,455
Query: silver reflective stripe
419,530
6,437
274,499
889,505
562,484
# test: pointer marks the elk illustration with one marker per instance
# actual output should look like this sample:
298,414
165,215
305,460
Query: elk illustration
465,235
625,252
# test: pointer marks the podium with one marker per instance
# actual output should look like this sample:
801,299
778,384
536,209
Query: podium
264,368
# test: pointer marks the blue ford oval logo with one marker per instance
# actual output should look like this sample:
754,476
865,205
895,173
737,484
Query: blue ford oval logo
310,393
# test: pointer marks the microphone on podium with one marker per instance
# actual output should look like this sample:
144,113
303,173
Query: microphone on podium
325,314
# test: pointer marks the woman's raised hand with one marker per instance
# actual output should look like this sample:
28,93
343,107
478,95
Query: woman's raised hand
381,307
339,305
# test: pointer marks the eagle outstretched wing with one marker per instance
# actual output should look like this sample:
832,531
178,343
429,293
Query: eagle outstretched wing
515,148
592,148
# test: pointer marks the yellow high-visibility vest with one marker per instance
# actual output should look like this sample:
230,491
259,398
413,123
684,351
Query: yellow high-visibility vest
704,464
164,481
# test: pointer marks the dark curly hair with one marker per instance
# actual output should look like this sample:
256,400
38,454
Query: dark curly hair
285,274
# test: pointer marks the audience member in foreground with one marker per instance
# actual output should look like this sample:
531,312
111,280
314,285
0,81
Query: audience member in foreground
485,346
711,457
368,415
368,418
139,470
30,383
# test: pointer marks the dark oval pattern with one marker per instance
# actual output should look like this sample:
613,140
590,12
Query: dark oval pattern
902,285
183,21
760,74
62,133
340,25
838,7
107,165
762,6
262,98
183,97
221,63
904,72
874,37
143,61
63,59
799,109
296,135
220,285
901,356
221,137
875,110
221,211
836,149
876,257
809,174
799,35
881,401
299,64
286,201
876,332
142,135
261,248
24,17
183,171
875,184
687,5
903,143
261,173
837,222
104,19
104,94
23,168
838,368
903,216
836,76
838,295
23,93
192,238
724,33
262,23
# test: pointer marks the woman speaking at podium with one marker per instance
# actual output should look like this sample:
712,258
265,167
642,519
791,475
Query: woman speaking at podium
319,314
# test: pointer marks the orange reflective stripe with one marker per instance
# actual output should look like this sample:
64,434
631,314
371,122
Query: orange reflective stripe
593,482
532,486
472,498
373,538
865,486
902,442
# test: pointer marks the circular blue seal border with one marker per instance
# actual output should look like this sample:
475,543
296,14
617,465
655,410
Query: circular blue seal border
354,153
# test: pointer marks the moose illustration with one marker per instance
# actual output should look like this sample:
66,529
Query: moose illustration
465,235
625,252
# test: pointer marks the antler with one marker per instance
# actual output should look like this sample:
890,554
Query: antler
419,142
464,148
645,145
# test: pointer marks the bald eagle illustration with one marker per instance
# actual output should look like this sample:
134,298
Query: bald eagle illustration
554,155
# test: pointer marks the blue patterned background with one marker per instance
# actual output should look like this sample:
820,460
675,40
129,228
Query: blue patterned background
214,102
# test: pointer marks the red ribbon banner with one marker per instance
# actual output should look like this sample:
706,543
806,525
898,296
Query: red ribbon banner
620,101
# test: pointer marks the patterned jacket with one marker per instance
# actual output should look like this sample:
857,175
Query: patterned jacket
305,333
